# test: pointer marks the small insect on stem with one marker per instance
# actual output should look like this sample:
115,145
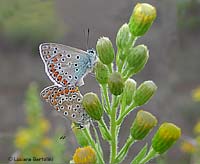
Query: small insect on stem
62,137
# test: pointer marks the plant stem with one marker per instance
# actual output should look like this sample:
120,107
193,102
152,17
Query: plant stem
105,93
110,67
113,127
92,143
123,152
151,154
97,139
103,125
119,62
125,113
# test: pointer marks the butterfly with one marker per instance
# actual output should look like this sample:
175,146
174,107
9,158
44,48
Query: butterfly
66,101
65,65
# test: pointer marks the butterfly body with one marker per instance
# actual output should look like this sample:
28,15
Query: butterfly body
66,101
66,66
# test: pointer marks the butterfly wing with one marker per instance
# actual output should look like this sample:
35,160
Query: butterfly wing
66,101
63,64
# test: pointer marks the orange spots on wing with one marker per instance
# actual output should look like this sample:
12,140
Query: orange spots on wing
54,102
45,97
52,65
64,81
59,78
66,91
54,60
56,74
74,90
52,70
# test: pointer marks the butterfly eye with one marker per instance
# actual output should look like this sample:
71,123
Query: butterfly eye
75,77
69,77
61,107
69,56
74,109
78,99
77,57
75,64
54,52
76,69
74,96
69,108
78,106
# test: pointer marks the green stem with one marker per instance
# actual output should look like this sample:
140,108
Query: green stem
123,152
105,93
105,131
119,62
151,154
110,67
92,143
129,74
125,71
113,128
123,105
97,139
103,100
125,113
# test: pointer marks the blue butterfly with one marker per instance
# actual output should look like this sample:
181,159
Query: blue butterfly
67,102
67,66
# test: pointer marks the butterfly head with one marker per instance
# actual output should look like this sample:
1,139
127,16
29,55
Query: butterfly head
92,55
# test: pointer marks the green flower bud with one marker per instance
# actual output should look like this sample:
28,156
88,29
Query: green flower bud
142,18
165,137
144,92
116,83
142,125
101,72
105,50
92,106
80,136
137,58
129,90
124,38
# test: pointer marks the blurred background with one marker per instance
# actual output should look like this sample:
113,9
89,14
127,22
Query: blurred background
174,65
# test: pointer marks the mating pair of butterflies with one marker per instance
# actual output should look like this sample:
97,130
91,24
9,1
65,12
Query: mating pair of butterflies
66,67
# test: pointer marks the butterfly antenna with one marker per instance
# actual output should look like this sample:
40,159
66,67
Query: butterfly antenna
85,38
88,36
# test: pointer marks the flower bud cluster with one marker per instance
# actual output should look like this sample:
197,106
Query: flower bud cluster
126,96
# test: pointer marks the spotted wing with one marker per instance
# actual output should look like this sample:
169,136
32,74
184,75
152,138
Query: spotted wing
63,64
66,101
